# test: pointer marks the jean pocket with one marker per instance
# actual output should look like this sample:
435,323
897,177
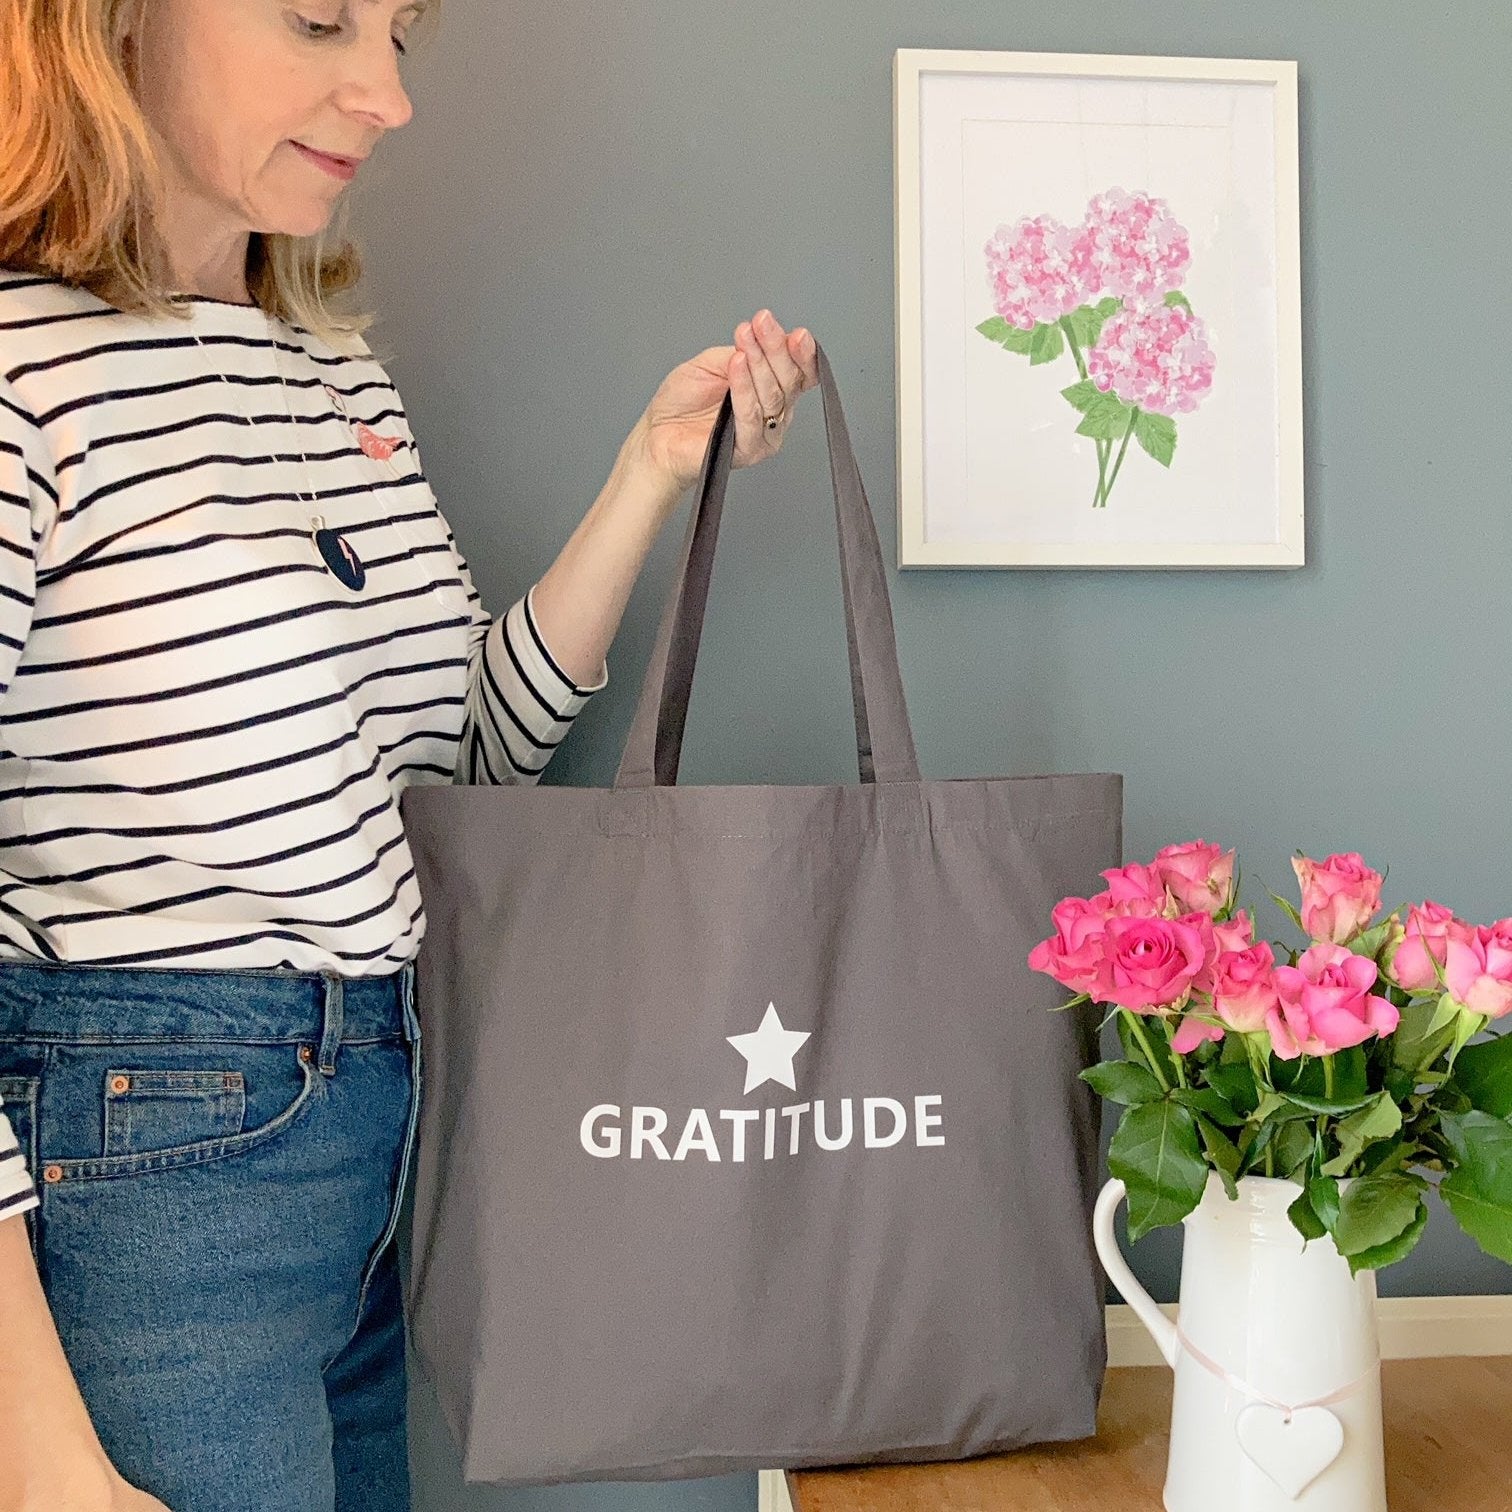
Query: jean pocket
142,1108
19,1096
149,1110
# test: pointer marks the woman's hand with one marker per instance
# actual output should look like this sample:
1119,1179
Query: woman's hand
86,1482
766,370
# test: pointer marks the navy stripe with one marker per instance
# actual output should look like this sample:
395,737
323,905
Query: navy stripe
19,1202
546,656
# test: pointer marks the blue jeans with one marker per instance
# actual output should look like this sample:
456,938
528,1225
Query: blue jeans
220,1156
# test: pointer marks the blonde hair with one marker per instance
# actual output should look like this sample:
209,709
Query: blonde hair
80,182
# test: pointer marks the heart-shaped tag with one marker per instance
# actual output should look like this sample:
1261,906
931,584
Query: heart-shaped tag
1292,1452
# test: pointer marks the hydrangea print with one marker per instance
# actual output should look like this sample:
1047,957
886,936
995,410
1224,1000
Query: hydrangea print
1107,294
1131,245
1155,357
1032,271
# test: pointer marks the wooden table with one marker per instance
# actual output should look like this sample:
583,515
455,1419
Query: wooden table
1448,1449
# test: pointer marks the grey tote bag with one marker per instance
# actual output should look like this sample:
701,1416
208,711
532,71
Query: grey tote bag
748,1139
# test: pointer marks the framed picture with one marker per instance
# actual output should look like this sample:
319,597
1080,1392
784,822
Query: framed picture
1098,311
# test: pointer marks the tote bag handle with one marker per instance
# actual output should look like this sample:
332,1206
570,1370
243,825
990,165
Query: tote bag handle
884,737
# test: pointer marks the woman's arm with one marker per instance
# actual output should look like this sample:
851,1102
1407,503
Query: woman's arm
51,1459
581,599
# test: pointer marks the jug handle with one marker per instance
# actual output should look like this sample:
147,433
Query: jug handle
1146,1309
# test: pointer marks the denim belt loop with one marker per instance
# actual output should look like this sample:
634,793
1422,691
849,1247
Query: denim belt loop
407,996
330,1035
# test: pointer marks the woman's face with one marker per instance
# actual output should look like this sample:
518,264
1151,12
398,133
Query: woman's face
244,93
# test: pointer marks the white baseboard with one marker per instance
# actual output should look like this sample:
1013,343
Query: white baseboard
1412,1328
773,1494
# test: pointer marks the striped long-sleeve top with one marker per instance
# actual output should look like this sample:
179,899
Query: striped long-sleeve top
204,730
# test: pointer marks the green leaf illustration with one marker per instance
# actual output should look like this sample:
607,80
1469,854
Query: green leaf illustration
1177,300
1009,337
1086,321
1157,434
1082,396
1045,344
1107,419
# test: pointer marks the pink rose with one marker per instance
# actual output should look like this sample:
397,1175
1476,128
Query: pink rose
1149,963
1326,1003
1237,934
1244,987
1429,928
1198,875
1074,952
1192,1033
1478,970
1340,896
1136,885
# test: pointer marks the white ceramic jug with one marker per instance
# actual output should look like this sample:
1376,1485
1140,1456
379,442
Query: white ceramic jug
1277,1404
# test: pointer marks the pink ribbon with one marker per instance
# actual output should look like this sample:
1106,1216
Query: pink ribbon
1234,1383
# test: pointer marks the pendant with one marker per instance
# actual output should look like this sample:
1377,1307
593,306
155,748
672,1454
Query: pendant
339,554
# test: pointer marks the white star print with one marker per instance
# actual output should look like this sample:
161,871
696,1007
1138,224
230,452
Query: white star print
769,1051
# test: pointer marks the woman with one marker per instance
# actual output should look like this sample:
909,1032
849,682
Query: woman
233,626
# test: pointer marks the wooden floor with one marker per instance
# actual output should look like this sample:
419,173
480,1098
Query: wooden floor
1448,1449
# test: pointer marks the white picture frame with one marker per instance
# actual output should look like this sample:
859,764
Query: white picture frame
1184,173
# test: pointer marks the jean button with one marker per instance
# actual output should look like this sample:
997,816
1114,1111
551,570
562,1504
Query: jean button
52,1174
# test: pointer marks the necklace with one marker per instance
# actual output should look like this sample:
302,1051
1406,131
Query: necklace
335,551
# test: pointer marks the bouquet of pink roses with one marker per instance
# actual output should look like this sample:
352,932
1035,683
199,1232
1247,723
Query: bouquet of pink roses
1346,1066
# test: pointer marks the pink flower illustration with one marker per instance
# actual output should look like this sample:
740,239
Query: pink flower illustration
1032,271
1154,356
1131,245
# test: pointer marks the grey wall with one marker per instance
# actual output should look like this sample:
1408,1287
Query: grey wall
590,194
